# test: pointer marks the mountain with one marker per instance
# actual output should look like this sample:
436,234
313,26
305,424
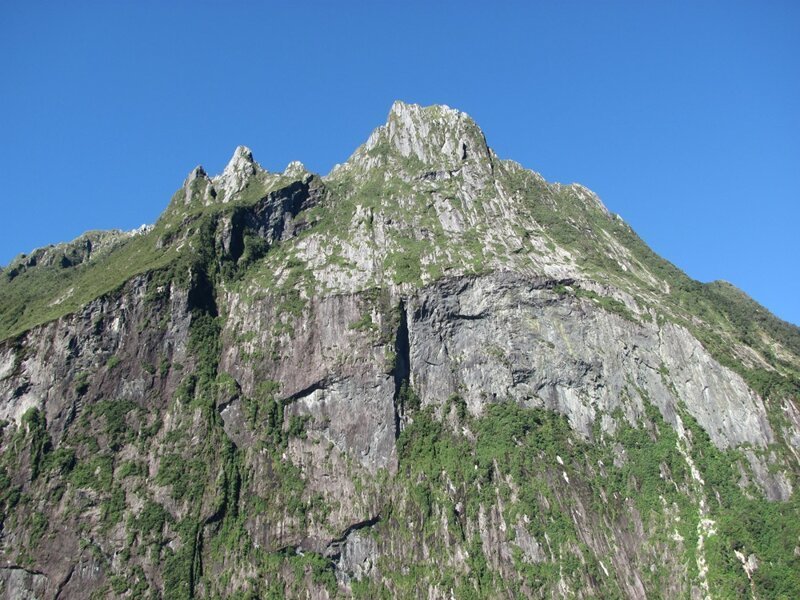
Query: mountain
430,373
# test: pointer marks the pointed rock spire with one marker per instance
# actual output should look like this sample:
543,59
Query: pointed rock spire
198,186
295,170
239,170
241,160
197,173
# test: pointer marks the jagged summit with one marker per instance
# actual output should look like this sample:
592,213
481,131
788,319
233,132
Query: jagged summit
433,137
197,173
199,188
241,161
295,170
238,171
435,133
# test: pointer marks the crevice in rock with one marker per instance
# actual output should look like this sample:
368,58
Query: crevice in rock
476,317
201,296
402,366
221,406
21,389
63,583
196,562
234,396
227,506
549,284
20,568
236,246
307,391
269,220
333,550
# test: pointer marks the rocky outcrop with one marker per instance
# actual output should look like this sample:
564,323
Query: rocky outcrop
17,582
238,172
90,245
506,337
63,364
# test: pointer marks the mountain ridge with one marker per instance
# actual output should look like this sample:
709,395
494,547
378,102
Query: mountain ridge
304,385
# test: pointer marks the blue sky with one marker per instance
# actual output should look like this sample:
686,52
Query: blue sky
683,116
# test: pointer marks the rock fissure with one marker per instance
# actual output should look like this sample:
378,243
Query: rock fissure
402,368
13,567
333,549
63,583
308,390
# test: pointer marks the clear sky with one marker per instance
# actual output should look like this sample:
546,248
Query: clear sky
683,116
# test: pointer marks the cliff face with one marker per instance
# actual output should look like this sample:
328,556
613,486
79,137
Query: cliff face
429,373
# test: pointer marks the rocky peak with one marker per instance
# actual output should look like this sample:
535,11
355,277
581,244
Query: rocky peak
87,246
295,170
239,170
437,137
197,173
242,160
198,185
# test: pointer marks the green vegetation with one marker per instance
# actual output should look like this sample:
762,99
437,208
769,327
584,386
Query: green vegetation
406,263
34,432
518,453
365,323
748,523
95,472
9,494
407,398
81,383
608,304
39,295
37,527
27,300
114,414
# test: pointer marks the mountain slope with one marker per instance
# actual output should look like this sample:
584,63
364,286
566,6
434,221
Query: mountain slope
301,385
